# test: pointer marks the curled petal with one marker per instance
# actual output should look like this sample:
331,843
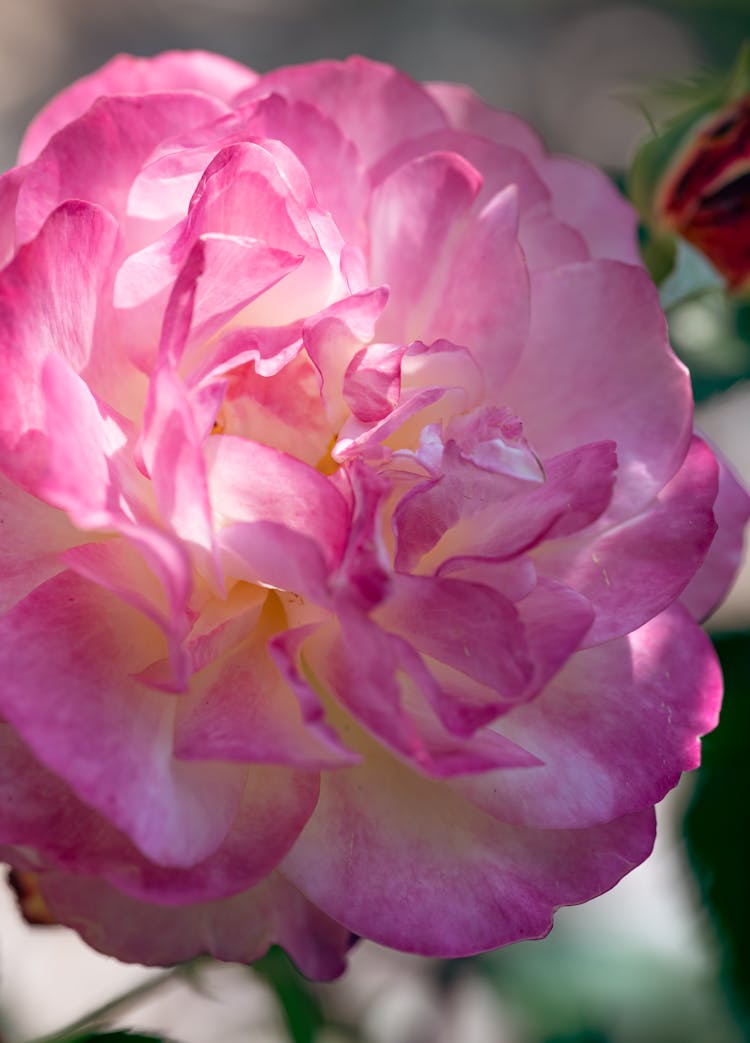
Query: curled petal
244,480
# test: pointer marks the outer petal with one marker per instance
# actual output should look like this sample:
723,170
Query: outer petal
42,817
466,111
48,304
337,89
414,217
499,165
10,184
402,861
639,567
124,74
274,912
615,334
33,536
613,731
546,240
68,628
713,579
585,198
98,155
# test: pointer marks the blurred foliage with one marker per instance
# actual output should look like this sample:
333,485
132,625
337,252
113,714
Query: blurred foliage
572,987
300,1006
710,332
114,1037
717,825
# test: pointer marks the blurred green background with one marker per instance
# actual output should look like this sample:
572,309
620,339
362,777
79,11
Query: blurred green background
665,958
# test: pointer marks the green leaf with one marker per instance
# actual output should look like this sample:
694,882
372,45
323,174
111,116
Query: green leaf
593,985
717,825
300,1006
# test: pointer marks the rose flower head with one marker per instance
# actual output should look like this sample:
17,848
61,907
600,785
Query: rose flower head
354,529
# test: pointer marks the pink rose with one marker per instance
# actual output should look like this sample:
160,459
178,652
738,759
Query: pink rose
354,531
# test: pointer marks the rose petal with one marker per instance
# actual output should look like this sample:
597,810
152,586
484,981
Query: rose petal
28,525
416,214
241,709
585,393
172,70
709,586
42,815
613,731
250,482
336,89
97,156
176,813
274,912
386,853
48,297
636,569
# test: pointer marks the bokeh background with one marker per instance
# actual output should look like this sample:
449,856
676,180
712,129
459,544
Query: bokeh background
665,957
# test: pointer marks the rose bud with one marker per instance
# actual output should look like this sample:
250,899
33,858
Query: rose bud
693,180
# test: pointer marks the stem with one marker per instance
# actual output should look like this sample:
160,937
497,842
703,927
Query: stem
120,1003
